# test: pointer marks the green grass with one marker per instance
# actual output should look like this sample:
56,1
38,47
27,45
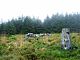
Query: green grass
45,48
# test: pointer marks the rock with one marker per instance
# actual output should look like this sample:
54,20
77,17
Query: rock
65,41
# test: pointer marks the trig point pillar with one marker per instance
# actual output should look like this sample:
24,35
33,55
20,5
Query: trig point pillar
66,43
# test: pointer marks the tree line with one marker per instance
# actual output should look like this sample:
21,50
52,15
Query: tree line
53,24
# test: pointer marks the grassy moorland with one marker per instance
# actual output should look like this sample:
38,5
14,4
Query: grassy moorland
16,47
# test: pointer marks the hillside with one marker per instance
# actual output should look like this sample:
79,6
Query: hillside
16,47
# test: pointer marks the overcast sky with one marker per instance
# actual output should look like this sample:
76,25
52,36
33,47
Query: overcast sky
38,8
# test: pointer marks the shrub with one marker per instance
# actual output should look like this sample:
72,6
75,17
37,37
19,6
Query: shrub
12,38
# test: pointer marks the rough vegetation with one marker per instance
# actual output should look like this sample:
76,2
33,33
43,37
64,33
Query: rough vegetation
16,47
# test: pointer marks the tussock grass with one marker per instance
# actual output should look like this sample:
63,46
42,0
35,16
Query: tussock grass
16,47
